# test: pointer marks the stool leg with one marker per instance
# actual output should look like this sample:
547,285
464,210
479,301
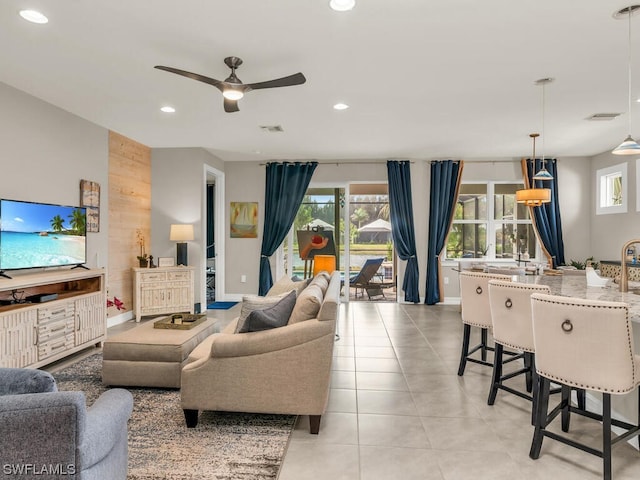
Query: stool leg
497,374
566,401
541,417
535,393
484,343
581,395
465,349
527,375
606,435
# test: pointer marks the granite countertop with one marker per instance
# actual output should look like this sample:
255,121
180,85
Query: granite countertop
576,286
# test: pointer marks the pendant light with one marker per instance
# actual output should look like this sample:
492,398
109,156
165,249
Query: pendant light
533,197
629,146
543,173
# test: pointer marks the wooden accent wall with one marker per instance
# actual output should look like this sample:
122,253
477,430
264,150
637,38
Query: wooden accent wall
129,210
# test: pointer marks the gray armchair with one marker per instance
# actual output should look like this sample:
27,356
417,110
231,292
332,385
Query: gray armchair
49,434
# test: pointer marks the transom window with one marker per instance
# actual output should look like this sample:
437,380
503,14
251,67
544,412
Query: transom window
497,229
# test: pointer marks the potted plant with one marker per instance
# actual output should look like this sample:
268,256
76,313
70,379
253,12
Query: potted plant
142,258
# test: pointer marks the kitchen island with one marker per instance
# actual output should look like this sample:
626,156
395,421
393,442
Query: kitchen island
576,286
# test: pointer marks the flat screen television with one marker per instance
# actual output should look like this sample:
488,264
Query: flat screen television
36,235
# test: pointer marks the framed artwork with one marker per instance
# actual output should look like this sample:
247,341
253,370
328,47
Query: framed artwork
243,220
90,199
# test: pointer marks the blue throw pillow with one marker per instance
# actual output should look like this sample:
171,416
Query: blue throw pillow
272,317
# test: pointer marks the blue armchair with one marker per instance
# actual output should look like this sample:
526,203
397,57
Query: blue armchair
51,434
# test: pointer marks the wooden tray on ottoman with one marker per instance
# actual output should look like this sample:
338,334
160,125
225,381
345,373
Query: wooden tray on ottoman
180,321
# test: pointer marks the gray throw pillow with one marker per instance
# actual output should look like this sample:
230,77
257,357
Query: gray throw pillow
272,317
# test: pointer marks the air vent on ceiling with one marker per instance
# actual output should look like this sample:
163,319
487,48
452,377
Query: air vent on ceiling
271,128
603,116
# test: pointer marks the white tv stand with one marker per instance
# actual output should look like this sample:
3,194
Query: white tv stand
36,334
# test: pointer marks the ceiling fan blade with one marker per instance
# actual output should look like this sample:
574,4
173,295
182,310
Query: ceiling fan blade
195,76
230,106
295,79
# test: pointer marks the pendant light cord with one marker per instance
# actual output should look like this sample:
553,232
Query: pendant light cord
629,68
543,151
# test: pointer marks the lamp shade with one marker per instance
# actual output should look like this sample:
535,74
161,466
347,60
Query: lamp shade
628,147
533,197
324,263
181,233
543,174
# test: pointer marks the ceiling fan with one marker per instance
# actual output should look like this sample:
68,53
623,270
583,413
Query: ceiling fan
232,88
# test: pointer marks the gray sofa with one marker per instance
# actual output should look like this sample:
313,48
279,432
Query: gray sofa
283,370
49,434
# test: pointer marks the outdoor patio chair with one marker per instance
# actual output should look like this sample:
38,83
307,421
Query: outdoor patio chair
364,279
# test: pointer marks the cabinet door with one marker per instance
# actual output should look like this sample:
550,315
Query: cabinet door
179,296
91,318
18,347
153,298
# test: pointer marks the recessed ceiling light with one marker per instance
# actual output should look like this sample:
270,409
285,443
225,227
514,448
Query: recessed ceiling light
340,106
168,109
342,5
33,16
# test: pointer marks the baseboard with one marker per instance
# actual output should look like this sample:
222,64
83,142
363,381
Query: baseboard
118,319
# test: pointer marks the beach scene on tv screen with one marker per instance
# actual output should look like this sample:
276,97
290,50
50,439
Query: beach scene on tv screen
40,235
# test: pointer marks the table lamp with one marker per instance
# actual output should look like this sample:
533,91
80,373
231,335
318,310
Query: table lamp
324,263
181,233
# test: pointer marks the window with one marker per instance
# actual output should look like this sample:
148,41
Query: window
611,189
498,229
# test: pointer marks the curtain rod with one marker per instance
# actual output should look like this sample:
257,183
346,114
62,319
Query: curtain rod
475,162
338,163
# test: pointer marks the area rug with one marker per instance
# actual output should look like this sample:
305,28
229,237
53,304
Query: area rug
224,446
221,305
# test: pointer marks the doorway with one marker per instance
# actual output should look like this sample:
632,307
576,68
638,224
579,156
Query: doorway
213,235
372,259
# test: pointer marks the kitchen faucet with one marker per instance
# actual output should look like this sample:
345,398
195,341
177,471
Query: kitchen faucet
624,278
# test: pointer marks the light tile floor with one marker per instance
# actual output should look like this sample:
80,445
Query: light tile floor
398,410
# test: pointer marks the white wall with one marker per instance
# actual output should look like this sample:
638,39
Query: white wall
245,182
46,151
177,196
609,232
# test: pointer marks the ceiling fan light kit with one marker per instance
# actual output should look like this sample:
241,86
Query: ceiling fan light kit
232,88
232,94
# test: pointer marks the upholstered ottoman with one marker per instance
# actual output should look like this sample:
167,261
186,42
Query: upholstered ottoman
150,357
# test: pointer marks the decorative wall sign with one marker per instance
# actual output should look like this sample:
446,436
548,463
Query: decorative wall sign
244,220
90,198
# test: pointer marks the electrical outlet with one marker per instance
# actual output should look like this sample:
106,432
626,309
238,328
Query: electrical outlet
243,279
446,280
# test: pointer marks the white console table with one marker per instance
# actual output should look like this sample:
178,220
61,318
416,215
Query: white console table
162,290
